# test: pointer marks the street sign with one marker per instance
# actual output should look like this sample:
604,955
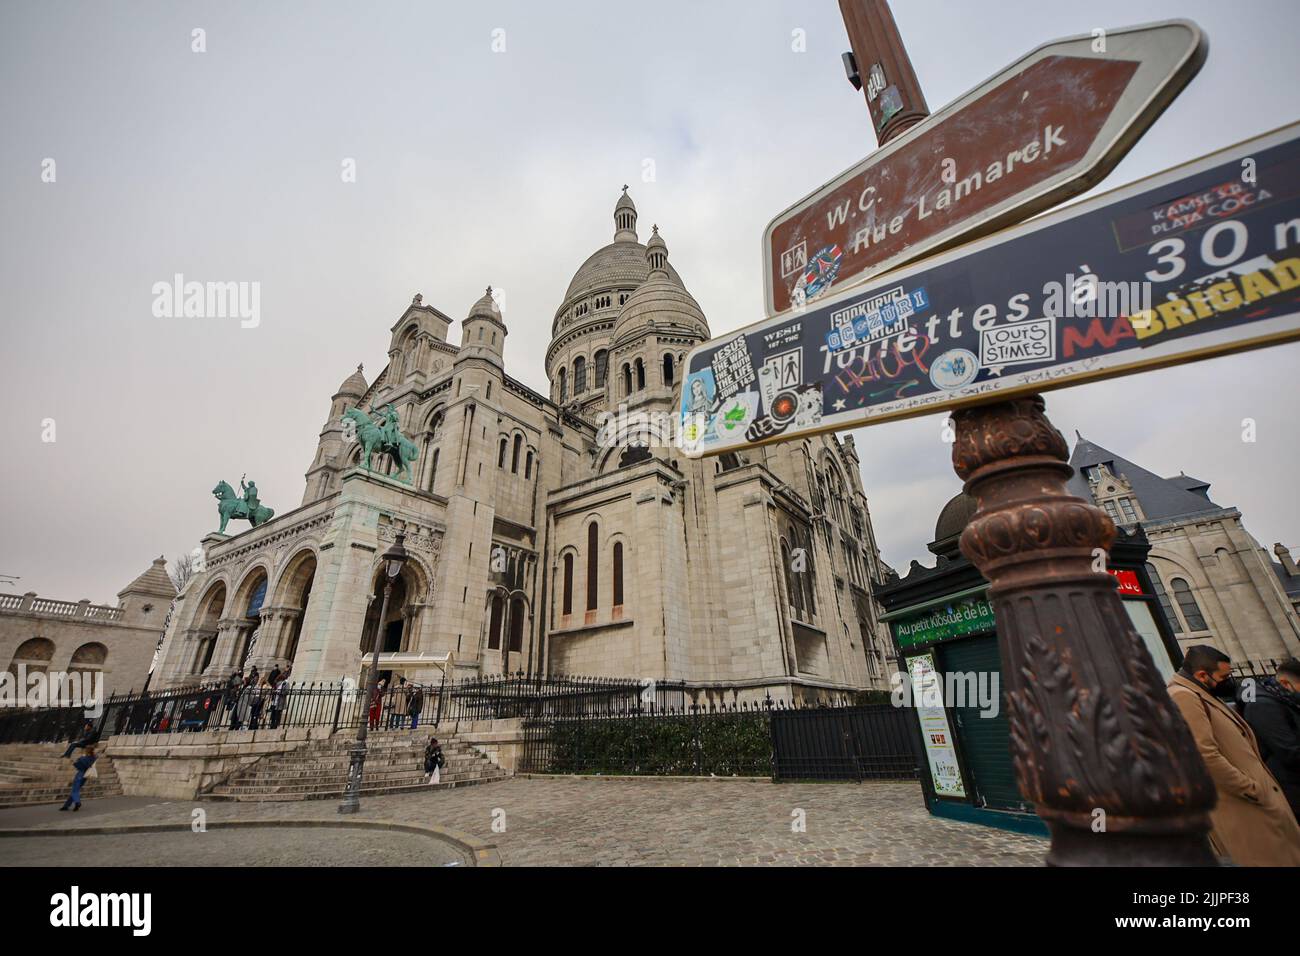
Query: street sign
1047,128
1198,261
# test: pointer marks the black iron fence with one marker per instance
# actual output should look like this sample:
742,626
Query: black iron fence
338,706
812,741
872,742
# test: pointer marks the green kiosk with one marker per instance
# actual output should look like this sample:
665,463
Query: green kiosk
945,632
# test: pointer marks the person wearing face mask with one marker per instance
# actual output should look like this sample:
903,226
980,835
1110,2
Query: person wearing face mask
1251,823
1273,712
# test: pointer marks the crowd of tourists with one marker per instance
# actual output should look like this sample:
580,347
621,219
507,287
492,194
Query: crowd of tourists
398,709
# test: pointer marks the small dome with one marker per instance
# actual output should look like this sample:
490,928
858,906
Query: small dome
354,385
664,301
486,308
625,202
954,517
661,299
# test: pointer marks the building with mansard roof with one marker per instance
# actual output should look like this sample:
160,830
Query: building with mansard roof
546,536
1217,585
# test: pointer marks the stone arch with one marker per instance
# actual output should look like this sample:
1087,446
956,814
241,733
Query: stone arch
408,345
249,582
36,653
206,620
89,658
411,588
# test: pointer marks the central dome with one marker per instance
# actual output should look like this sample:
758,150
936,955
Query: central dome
619,263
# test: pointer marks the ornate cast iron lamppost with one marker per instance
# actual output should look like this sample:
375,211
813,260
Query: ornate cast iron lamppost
393,560
1097,745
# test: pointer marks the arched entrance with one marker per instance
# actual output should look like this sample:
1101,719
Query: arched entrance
205,628
293,596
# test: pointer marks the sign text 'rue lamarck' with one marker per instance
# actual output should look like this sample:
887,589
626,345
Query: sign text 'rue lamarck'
1198,261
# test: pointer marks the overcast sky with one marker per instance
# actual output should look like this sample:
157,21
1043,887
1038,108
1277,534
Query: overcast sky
475,167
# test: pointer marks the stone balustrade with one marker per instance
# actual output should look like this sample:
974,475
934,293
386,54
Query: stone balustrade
29,603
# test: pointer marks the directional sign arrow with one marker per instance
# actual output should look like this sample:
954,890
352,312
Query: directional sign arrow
1048,127
1198,261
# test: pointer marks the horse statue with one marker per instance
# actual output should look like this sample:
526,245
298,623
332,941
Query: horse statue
230,505
376,438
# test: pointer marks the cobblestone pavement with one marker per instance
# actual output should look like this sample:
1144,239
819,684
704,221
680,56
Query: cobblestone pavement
643,821
283,846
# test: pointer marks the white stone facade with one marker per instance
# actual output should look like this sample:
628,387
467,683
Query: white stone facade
544,542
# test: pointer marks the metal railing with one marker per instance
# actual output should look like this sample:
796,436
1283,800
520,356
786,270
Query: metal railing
336,705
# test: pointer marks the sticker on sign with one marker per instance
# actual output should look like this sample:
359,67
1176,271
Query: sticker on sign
1046,128
1201,260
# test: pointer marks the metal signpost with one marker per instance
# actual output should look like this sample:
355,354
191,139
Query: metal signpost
1195,262
1046,128
1200,261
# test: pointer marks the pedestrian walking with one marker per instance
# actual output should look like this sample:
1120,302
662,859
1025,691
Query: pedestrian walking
434,761
1251,822
83,765
1274,716
416,705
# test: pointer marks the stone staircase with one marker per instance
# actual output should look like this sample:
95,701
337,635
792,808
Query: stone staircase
39,773
394,764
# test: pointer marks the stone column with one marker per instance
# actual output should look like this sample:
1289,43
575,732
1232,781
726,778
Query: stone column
1098,746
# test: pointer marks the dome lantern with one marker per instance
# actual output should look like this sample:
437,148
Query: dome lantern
625,218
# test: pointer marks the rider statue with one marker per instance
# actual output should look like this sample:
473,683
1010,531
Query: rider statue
392,433
250,495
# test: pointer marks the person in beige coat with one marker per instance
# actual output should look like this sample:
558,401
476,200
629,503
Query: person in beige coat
1251,823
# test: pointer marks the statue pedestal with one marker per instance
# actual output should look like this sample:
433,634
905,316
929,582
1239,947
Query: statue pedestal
213,538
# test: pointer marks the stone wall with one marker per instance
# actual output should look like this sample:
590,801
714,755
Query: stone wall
182,766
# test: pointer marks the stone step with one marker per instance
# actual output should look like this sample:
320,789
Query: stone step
337,792
273,786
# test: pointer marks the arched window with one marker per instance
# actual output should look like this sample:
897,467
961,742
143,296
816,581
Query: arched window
579,375
593,564
618,573
517,612
528,465
514,459
640,375
494,626
1166,605
602,367
501,453
793,592
36,653
806,578
433,469
668,370
627,379
564,385
567,602
88,658
1187,604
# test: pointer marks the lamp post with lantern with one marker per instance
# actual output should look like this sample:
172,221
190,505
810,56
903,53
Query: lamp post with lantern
393,559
